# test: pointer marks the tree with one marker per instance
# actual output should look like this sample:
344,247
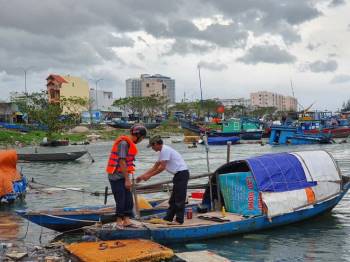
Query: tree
346,106
49,115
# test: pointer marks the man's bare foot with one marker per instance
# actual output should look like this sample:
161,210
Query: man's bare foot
120,221
126,221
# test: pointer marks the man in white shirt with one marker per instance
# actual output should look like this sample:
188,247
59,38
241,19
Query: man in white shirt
170,160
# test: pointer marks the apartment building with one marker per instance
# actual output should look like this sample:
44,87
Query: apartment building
269,99
148,85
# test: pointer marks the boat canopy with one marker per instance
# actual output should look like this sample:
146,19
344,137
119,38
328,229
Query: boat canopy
278,172
286,182
8,171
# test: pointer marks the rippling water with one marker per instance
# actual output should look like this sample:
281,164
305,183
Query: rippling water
324,238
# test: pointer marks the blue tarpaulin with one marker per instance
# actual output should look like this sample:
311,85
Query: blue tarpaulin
278,173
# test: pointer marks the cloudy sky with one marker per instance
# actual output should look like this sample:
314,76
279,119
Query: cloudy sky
241,46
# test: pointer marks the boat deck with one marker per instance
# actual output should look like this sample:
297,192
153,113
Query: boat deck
205,219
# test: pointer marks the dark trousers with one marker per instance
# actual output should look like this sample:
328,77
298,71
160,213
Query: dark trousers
123,198
178,197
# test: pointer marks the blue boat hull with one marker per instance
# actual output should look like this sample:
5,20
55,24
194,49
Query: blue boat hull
194,233
19,192
222,140
75,218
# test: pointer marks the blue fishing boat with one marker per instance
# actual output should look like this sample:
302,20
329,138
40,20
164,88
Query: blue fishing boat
258,193
13,184
285,135
73,218
222,140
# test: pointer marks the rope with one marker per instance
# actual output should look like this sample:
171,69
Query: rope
69,219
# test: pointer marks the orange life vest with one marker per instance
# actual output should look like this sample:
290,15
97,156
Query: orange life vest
113,162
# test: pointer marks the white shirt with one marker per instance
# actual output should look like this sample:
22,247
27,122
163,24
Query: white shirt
174,161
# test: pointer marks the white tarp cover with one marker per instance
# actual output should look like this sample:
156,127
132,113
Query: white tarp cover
319,167
283,202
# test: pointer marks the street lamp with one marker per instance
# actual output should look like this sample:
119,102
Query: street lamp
25,78
200,84
96,82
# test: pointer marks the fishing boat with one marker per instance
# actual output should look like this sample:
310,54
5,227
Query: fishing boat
13,184
222,140
128,125
55,143
244,128
292,135
63,156
257,193
72,218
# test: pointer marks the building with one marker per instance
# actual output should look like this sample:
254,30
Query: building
148,85
101,100
133,87
269,99
230,102
67,87
54,85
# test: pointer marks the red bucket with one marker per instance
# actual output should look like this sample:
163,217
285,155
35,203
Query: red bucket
197,195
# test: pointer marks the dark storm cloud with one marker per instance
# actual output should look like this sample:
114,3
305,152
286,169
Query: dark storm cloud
213,66
183,47
271,54
340,79
77,34
323,66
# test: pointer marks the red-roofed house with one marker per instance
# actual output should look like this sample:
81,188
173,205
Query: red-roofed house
54,84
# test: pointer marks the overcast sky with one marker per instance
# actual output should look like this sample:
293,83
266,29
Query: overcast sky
242,46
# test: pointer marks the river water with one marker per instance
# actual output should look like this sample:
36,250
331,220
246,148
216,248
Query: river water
325,238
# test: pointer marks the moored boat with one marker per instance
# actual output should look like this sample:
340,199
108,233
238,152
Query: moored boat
223,140
13,184
127,125
62,156
258,193
72,218
291,135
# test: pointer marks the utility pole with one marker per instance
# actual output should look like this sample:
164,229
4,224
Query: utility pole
96,82
25,70
200,84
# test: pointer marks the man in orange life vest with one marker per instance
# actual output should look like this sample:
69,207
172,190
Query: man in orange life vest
120,167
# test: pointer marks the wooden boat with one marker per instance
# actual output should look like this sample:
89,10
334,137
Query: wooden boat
285,135
304,185
243,128
13,185
127,125
64,156
71,218
222,140
55,143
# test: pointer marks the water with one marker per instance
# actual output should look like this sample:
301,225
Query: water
324,238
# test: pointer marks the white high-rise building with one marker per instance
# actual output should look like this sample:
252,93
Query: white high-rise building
148,85
133,87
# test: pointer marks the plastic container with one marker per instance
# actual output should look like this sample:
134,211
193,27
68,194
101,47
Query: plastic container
189,213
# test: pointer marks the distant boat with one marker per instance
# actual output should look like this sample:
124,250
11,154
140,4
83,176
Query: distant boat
55,143
222,140
127,125
290,135
244,128
13,184
65,156
258,193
